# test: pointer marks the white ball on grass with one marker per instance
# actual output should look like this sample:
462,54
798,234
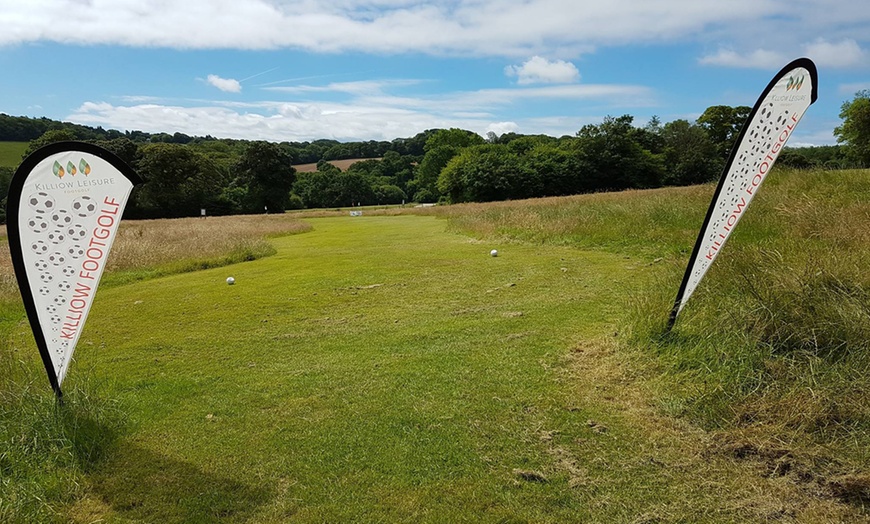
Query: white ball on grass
231,280
494,252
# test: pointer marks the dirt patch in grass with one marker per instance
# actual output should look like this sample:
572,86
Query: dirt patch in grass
815,473
726,474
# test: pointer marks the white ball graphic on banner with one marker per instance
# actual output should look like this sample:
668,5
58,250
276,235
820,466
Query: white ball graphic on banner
39,247
61,217
84,206
38,224
77,232
41,202
56,258
76,251
56,237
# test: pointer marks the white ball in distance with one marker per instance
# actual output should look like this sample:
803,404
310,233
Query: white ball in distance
231,280
494,252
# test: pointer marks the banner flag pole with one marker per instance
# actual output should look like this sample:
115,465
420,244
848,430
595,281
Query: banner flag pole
64,205
769,126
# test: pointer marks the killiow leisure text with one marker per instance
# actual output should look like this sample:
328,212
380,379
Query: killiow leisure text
74,185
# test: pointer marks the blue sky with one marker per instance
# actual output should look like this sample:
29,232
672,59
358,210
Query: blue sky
381,69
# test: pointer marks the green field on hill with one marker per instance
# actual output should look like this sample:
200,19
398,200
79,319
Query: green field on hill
386,368
11,153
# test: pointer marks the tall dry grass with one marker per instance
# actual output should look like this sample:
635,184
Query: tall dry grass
655,222
146,248
775,343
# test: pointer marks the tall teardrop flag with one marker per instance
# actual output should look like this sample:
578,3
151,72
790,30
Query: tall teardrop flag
60,227
768,127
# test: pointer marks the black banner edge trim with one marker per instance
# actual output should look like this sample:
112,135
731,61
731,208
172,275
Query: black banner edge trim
807,64
16,188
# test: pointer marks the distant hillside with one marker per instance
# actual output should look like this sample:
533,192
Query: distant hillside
11,152
341,164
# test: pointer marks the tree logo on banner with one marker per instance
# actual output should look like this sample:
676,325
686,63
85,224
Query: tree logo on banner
795,84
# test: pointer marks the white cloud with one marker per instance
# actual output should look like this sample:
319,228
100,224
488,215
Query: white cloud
537,70
843,54
500,128
514,28
846,53
361,87
274,121
758,59
227,85
370,114
472,104
852,88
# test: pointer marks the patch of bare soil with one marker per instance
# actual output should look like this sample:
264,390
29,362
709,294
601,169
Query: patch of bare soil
746,480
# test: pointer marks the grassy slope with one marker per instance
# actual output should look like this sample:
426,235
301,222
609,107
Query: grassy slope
325,397
772,354
11,152
341,164
381,369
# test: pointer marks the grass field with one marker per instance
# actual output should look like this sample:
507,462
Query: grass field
341,164
385,368
11,153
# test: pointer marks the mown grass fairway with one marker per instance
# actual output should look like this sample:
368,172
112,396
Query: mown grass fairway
387,369
376,368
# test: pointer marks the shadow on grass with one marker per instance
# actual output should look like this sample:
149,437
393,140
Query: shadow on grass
141,485
90,437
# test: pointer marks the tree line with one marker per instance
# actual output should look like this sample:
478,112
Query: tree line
223,176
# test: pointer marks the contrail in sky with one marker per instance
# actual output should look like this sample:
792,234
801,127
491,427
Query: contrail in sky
258,74
309,78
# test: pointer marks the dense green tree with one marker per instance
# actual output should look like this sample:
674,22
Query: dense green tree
5,180
295,202
723,123
389,194
398,169
486,173
413,146
557,169
794,158
21,129
854,132
611,158
325,167
522,144
334,189
123,148
49,137
266,172
689,154
348,189
25,129
830,157
312,188
650,136
443,145
224,153
179,182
